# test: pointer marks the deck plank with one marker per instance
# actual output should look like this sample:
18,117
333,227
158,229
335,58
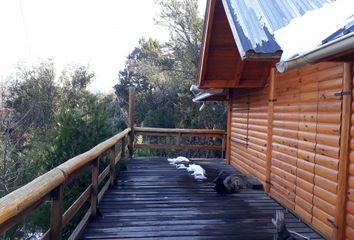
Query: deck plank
154,200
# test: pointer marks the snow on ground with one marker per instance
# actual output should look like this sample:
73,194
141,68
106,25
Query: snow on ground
196,170
306,33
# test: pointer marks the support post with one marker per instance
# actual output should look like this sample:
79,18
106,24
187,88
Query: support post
270,128
122,156
178,141
56,213
228,133
340,214
131,120
94,192
112,166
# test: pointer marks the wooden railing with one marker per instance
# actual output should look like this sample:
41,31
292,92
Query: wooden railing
50,186
178,134
18,204
15,206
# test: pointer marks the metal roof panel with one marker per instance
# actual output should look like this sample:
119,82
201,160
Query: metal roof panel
254,21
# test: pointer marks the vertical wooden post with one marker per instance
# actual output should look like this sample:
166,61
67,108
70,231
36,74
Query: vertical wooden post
123,149
178,141
131,120
339,232
56,213
94,192
270,128
112,166
228,134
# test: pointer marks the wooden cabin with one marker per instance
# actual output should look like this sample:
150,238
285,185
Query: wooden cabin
294,130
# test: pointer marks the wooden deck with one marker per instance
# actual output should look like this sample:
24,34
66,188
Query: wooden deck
154,200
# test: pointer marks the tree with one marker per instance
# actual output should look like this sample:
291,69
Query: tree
44,123
163,73
147,70
27,103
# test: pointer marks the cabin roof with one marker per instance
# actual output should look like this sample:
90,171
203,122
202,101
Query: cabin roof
243,39
253,22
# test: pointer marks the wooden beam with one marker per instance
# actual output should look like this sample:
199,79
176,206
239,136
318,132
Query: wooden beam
238,71
209,17
94,191
19,217
81,226
131,120
112,165
81,160
104,174
17,204
123,146
75,207
340,213
270,127
229,122
181,146
176,131
56,213
229,83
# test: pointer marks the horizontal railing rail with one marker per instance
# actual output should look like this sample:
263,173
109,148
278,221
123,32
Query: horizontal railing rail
15,206
18,204
178,134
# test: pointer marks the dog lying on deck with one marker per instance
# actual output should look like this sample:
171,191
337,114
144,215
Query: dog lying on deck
228,183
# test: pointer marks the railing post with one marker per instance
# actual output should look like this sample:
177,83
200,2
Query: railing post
94,192
178,142
131,120
112,172
56,213
122,156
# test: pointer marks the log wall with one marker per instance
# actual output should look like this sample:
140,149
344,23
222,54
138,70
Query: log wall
349,230
305,141
249,132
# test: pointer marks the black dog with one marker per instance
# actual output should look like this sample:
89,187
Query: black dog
228,183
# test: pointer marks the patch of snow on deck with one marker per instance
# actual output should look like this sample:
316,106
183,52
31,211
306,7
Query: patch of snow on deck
177,160
306,33
196,170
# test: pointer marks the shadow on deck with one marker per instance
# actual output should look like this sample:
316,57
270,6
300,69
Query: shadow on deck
154,200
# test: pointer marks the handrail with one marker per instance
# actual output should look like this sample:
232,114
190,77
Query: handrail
179,130
19,203
178,134
49,186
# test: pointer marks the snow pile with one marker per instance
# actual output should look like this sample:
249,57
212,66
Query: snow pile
177,160
306,33
181,166
196,170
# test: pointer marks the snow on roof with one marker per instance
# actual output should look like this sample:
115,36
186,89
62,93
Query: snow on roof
308,32
253,22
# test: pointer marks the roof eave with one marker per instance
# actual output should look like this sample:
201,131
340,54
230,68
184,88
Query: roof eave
324,52
263,56
206,37
237,39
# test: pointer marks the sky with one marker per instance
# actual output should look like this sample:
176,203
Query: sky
98,33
